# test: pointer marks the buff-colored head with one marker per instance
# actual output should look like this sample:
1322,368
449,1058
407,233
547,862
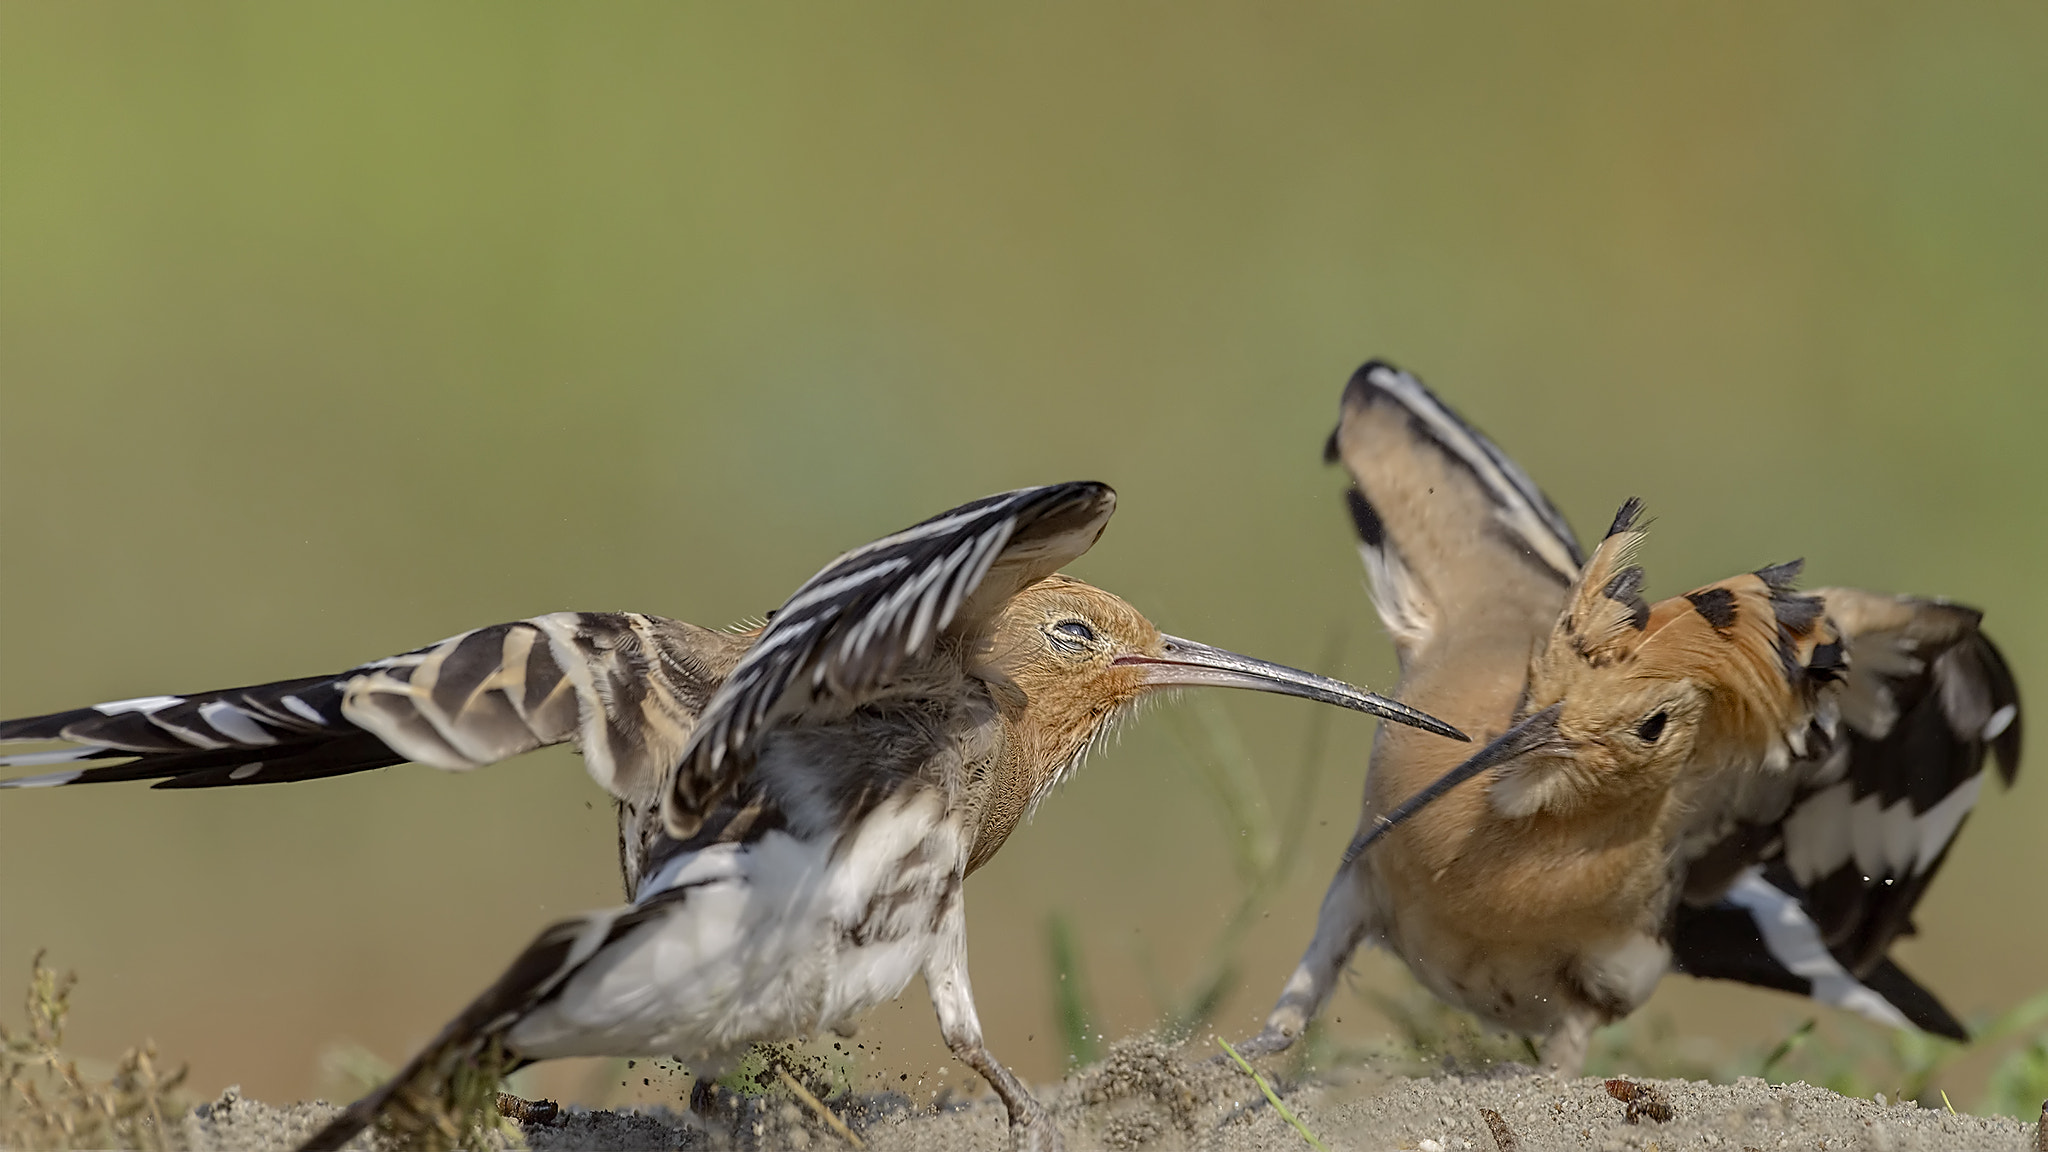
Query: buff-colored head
1067,659
1627,696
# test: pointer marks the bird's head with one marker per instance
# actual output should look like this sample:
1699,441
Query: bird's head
1626,696
1080,655
1070,659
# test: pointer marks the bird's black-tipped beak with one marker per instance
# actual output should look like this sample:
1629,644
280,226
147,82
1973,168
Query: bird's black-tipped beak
1532,733
1186,663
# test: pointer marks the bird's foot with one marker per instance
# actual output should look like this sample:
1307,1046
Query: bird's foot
707,1100
1269,1041
1033,1131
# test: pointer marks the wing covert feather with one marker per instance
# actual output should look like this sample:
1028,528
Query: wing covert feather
846,631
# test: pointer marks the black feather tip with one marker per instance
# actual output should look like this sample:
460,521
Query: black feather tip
1625,516
1716,604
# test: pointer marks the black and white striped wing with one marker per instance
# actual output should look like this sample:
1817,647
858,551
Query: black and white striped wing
847,630
1833,881
1453,532
625,687
1927,697
1762,932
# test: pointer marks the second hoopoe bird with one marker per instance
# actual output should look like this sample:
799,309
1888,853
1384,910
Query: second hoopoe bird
1745,782
800,805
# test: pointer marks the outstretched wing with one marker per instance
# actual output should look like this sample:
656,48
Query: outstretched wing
847,630
1455,536
625,687
1829,879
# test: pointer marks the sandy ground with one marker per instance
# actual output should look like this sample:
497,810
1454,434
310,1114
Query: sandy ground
1147,1096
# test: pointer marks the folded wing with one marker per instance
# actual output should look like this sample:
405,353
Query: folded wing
1823,885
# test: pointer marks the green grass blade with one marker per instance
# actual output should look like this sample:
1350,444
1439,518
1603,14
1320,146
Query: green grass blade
1273,1098
1075,1016
1788,1046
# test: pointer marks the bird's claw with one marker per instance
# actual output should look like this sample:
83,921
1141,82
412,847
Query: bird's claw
1266,1043
1034,1132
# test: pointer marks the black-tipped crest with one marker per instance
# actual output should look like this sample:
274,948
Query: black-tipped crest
1717,605
1625,516
1797,613
1781,577
1604,614
1627,588
1797,618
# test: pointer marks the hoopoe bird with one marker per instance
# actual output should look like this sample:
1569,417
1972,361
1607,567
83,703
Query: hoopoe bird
1744,782
800,803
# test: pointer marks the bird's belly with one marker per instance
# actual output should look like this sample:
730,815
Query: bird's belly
770,940
1529,984
1522,957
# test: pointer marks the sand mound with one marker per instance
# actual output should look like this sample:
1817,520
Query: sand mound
1148,1095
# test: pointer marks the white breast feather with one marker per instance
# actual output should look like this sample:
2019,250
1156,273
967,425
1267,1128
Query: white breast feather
758,947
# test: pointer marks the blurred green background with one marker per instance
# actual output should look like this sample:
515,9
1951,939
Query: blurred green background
332,330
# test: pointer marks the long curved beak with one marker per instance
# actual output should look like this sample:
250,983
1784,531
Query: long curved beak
1532,733
1186,663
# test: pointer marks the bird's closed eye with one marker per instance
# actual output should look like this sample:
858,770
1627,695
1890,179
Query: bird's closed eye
1650,729
1073,633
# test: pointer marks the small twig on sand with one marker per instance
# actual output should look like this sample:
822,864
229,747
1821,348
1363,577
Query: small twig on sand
1273,1098
1503,1135
816,1105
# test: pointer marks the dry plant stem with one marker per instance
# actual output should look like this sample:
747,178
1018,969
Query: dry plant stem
46,1103
816,1105
2041,1130
1273,1098
1503,1135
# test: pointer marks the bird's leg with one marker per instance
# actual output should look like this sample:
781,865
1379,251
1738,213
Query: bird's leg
1031,1127
704,1097
1339,927
1565,1045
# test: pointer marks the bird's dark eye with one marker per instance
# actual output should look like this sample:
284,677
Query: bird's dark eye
1073,632
1650,729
